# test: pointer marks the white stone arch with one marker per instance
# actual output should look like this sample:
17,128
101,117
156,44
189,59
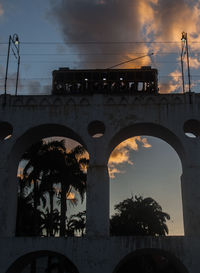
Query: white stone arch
175,261
22,143
155,130
20,264
148,129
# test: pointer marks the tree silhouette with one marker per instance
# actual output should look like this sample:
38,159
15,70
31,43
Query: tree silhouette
49,174
139,217
77,223
72,176
26,216
50,222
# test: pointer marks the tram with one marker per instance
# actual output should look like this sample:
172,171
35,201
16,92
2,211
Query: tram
73,81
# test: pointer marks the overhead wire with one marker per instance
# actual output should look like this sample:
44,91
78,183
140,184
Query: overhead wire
76,62
93,54
49,78
97,42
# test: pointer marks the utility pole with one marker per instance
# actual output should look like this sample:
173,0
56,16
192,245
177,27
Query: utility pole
182,67
185,49
13,40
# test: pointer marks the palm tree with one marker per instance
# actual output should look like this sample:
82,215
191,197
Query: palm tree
76,224
26,215
72,177
48,165
139,217
37,171
50,222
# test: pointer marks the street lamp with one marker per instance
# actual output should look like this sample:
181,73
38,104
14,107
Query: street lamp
184,36
185,50
182,57
13,40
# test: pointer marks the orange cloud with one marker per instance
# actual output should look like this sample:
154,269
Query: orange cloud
194,61
175,82
70,196
113,171
121,154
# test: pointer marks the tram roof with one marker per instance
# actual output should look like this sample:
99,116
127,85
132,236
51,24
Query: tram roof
66,69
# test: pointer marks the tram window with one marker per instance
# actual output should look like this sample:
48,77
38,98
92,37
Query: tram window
123,76
68,87
87,76
104,76
140,86
113,85
97,86
122,85
130,84
59,86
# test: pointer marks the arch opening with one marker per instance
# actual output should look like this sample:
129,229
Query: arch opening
51,186
145,172
43,261
150,260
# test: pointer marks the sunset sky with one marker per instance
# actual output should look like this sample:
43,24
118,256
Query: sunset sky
99,34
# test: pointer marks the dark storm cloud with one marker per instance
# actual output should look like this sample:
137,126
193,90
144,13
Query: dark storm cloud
100,21
89,20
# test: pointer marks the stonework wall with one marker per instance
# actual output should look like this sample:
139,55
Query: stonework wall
34,117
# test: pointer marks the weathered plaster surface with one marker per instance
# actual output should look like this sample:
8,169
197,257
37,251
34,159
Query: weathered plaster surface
163,116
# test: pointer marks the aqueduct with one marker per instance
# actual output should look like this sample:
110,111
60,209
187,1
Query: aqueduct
116,117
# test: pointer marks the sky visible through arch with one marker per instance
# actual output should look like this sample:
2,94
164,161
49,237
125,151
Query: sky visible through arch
152,170
98,34
138,167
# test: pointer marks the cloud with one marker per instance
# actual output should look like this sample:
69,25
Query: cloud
172,17
127,20
174,83
194,61
101,21
70,196
121,154
1,10
34,87
113,171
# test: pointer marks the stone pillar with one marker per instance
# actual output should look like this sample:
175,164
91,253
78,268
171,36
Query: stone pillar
8,193
97,201
190,182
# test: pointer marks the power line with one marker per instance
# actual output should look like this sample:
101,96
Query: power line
99,54
110,42
100,43
95,54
